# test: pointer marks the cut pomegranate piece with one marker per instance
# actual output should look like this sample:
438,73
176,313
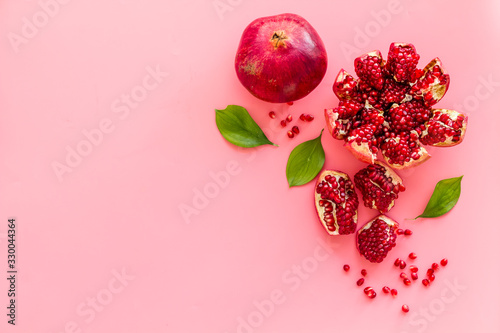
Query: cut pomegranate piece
380,186
336,202
369,69
376,238
388,109
445,128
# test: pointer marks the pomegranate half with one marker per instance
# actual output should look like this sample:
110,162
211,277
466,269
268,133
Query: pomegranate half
280,58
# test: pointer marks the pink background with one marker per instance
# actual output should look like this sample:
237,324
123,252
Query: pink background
251,257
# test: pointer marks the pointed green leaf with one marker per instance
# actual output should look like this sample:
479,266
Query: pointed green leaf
444,197
237,126
305,162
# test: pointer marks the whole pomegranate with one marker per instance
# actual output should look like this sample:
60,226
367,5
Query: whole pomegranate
336,202
280,58
388,109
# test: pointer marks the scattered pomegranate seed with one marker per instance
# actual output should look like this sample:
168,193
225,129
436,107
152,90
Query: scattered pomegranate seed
360,282
430,271
402,264
289,118
295,129
371,293
363,272
400,231
272,114
407,281
444,262
302,117
386,290
367,289
426,282
435,266
290,134
408,232
394,292
405,308
403,275
412,256
397,262
346,268
413,269
309,118
283,123
289,103
432,277
414,276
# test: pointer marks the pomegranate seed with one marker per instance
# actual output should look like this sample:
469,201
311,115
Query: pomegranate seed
386,290
400,232
435,266
397,262
360,282
309,118
403,275
408,232
412,256
432,277
295,130
444,262
346,268
407,281
367,289
289,103
272,114
290,134
302,117
430,271
394,292
405,308
413,269
283,123
414,276
371,293
402,264
363,272
289,118
425,282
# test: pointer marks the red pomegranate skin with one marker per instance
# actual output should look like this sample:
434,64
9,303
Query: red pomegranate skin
280,58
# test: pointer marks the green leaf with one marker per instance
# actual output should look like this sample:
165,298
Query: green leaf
237,126
305,162
444,197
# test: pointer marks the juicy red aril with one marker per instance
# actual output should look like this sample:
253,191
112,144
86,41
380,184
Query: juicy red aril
435,266
363,272
394,292
407,281
403,275
272,114
336,202
380,186
405,308
371,294
289,118
400,231
414,276
290,134
376,238
360,282
397,262
432,277
386,290
413,269
346,268
283,123
402,264
426,282
295,130
309,118
289,103
408,232
444,262
412,256
430,271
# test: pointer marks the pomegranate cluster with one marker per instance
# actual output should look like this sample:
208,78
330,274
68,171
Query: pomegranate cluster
388,109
